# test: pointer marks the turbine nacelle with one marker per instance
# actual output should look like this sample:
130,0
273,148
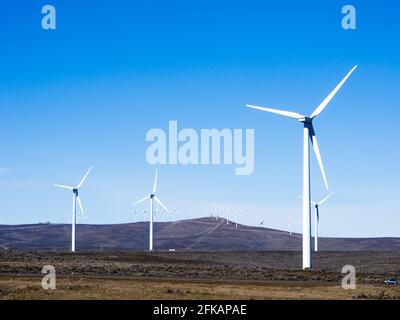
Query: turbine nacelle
305,119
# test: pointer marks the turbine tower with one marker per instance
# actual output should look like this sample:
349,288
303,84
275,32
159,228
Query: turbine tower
152,197
308,134
75,199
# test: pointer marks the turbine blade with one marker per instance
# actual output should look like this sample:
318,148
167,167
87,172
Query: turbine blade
160,203
65,187
328,99
84,178
141,200
155,182
290,114
312,202
318,155
78,199
326,198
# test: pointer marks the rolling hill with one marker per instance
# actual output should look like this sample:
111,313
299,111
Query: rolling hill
189,235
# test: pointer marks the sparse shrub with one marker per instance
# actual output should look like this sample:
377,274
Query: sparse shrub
361,296
382,295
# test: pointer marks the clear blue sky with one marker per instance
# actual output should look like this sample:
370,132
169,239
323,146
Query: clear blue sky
88,92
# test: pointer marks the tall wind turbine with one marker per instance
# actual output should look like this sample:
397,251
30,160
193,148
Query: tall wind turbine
308,134
152,197
316,218
75,199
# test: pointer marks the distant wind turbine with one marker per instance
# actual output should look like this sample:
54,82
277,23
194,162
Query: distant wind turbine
174,213
218,210
75,199
316,218
291,222
160,214
227,214
309,134
236,215
152,197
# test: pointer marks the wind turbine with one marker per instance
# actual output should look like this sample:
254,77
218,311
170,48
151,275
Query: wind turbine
316,218
152,197
236,216
75,199
160,214
291,222
227,214
308,134
174,213
217,210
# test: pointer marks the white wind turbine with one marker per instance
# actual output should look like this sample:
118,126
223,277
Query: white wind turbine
227,214
174,213
218,209
160,214
291,222
316,218
309,134
152,196
75,199
236,216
